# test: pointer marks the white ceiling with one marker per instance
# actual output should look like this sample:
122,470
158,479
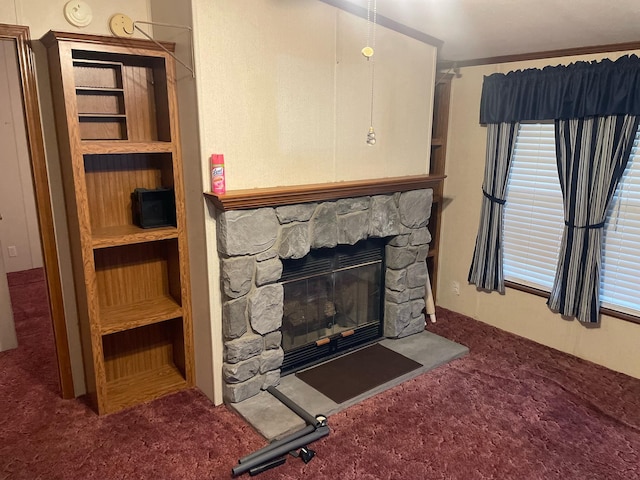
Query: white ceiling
474,29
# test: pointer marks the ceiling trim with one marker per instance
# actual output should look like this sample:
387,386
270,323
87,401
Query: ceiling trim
565,52
386,22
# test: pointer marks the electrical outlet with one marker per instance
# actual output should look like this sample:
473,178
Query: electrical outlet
455,287
13,251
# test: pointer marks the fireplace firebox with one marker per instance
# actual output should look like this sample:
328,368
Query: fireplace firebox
333,302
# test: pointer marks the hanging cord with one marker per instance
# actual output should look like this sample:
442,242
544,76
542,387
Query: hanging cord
372,85
368,35
371,45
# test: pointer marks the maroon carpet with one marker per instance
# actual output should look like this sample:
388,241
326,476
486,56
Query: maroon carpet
511,409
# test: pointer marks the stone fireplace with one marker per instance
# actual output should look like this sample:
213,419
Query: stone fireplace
254,242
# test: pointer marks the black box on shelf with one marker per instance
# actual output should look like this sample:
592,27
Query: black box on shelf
153,208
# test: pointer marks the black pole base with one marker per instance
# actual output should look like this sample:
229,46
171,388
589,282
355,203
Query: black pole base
306,454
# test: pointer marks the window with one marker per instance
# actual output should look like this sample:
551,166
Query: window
534,221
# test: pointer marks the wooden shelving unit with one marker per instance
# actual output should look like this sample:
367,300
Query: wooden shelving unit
437,168
117,123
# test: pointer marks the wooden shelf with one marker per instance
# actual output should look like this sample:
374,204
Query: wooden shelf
99,90
276,196
96,147
143,387
83,116
128,234
132,284
146,312
98,63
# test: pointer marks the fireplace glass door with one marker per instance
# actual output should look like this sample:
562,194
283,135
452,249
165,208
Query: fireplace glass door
332,302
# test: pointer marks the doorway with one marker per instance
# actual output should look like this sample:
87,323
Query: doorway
20,38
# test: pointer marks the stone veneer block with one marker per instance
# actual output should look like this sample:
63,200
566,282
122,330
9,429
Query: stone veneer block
397,297
273,340
417,275
417,306
300,212
294,241
399,241
237,275
241,371
349,205
415,207
271,379
416,325
396,280
397,317
385,218
243,348
268,271
418,292
234,318
237,392
420,236
353,227
423,253
247,232
266,308
324,226
271,360
399,257
267,255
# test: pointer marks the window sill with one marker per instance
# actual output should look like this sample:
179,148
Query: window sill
603,310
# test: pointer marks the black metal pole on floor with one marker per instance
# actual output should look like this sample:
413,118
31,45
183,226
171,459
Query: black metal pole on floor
267,457
273,445
297,409
283,449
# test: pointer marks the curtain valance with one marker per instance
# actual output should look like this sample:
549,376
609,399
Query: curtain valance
578,90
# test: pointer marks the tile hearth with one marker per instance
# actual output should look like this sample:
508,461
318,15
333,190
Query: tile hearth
426,348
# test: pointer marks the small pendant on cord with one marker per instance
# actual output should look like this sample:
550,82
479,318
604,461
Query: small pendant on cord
371,137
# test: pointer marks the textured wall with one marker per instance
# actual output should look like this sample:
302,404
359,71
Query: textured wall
284,93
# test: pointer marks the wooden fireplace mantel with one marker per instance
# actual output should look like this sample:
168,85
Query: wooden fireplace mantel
317,192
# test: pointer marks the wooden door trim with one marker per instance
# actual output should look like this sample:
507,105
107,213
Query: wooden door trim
21,36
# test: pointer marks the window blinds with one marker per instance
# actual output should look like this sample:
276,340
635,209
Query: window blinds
620,276
533,218
533,222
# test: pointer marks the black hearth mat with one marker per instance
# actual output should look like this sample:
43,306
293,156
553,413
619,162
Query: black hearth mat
350,375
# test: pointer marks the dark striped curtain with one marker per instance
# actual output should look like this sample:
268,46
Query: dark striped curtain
592,154
486,270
